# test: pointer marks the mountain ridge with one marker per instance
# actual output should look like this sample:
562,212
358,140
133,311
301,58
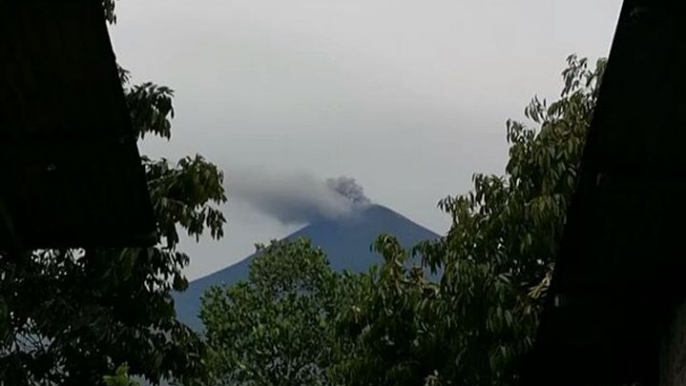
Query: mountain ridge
345,241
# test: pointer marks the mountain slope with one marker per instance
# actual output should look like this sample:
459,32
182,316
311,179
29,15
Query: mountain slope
345,242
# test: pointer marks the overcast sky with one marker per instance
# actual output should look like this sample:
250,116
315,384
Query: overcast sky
408,97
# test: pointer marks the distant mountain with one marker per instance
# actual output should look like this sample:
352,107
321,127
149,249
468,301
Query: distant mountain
346,243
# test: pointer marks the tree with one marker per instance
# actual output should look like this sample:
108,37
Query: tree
120,378
384,334
273,329
72,316
474,325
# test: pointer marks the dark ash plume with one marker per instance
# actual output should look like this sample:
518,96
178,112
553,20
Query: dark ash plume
348,188
297,198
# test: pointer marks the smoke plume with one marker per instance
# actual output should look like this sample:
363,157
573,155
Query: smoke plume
297,198
348,188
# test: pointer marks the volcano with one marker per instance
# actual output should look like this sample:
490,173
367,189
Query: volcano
345,241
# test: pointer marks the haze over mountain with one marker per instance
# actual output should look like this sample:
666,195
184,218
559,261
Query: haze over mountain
346,241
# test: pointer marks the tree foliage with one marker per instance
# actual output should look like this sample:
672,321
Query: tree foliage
384,332
393,326
71,316
474,324
120,378
273,328
498,254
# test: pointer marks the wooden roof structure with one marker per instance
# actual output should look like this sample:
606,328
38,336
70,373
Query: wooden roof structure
621,266
70,171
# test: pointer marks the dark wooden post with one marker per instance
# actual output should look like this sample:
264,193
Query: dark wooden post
673,350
